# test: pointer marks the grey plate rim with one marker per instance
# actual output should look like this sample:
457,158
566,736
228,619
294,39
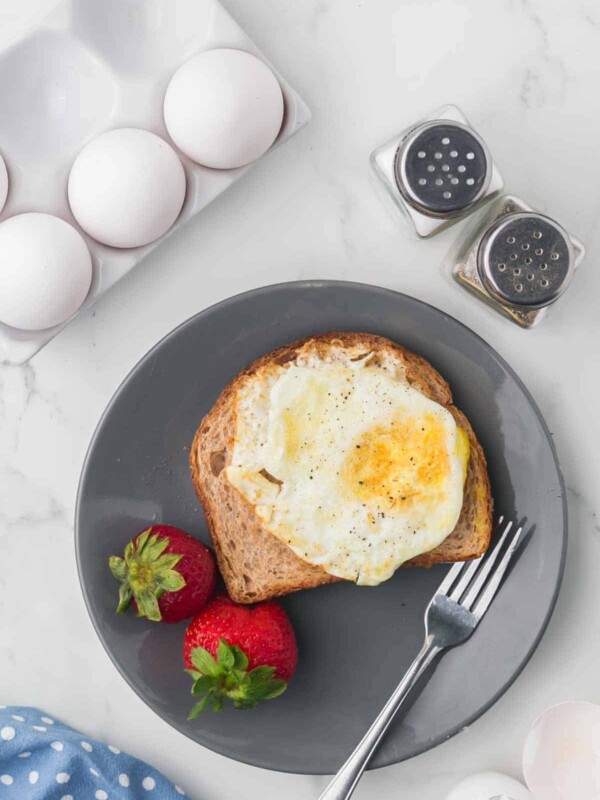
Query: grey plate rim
303,285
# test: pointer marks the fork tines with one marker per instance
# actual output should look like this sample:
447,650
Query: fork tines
483,576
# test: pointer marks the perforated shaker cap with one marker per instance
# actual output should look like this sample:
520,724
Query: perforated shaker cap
526,259
443,168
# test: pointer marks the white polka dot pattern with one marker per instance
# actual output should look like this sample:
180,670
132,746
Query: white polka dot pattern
55,761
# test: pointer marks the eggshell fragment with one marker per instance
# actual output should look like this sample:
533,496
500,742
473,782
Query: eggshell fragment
561,757
3,183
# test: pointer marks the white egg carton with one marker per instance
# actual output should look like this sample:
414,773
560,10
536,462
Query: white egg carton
91,66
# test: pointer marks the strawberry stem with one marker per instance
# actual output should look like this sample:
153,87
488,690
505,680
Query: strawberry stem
145,573
227,677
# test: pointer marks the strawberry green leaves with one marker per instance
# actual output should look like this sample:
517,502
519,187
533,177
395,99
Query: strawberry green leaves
200,706
145,573
225,656
227,676
205,663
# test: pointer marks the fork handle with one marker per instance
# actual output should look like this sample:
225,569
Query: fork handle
344,783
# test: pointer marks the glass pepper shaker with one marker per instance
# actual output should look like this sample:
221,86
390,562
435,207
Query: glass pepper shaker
515,259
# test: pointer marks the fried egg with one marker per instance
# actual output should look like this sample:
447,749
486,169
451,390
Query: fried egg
346,463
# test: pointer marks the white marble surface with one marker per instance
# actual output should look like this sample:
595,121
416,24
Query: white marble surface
527,73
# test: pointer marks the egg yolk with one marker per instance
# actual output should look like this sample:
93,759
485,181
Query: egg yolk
402,464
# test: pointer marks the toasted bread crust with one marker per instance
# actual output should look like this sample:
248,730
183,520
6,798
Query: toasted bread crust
255,564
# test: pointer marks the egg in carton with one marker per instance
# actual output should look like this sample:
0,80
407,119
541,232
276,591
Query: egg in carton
90,69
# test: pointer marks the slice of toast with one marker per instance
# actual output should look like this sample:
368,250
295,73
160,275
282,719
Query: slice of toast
254,563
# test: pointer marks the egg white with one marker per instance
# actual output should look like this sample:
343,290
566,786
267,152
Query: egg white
346,463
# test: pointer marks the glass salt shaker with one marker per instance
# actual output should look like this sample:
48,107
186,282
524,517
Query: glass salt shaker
437,171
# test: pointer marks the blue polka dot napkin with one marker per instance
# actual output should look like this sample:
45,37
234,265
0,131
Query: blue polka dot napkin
43,759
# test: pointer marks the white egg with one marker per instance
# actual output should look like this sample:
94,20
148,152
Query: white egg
127,187
561,757
45,271
489,786
3,183
223,108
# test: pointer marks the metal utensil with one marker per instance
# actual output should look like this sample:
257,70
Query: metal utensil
452,615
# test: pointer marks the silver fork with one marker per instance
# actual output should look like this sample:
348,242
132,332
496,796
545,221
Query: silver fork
452,615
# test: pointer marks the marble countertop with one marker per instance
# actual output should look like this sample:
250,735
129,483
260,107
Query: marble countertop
527,73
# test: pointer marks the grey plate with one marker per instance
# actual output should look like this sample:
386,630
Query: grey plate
355,642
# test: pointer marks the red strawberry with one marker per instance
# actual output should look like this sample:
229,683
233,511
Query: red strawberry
245,653
169,575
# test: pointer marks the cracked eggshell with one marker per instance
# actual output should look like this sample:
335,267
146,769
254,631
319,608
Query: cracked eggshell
3,183
561,757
